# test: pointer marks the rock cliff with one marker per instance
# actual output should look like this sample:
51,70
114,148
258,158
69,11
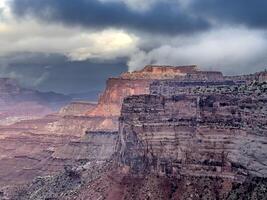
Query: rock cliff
183,134
130,83
110,101
138,82
78,108
214,137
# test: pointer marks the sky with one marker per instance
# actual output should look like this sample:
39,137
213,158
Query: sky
73,46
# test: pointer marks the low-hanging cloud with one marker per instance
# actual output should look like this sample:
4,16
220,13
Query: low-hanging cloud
232,51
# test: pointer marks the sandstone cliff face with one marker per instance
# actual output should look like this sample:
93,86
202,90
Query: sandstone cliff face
207,135
110,101
109,104
138,82
77,108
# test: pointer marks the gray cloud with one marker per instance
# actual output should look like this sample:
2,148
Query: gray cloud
250,13
162,17
170,17
226,35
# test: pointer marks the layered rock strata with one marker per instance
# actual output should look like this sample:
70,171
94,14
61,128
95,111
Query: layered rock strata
186,140
196,135
138,82
94,146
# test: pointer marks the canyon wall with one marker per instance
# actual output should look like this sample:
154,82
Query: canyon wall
138,82
210,135
130,83
183,134
110,101
93,146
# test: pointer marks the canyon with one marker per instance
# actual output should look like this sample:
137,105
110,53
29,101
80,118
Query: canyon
163,132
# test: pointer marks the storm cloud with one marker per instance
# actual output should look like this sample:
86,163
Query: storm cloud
170,17
75,45
162,17
250,13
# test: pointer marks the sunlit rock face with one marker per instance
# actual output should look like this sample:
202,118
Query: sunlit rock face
78,108
131,83
138,82
117,88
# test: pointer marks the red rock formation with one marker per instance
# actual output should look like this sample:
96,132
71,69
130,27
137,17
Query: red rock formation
160,72
79,108
117,88
137,82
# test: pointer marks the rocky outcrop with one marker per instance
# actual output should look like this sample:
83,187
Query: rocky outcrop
138,82
132,83
79,108
160,72
110,101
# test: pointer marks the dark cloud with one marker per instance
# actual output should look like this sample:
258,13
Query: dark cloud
163,17
54,72
251,13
